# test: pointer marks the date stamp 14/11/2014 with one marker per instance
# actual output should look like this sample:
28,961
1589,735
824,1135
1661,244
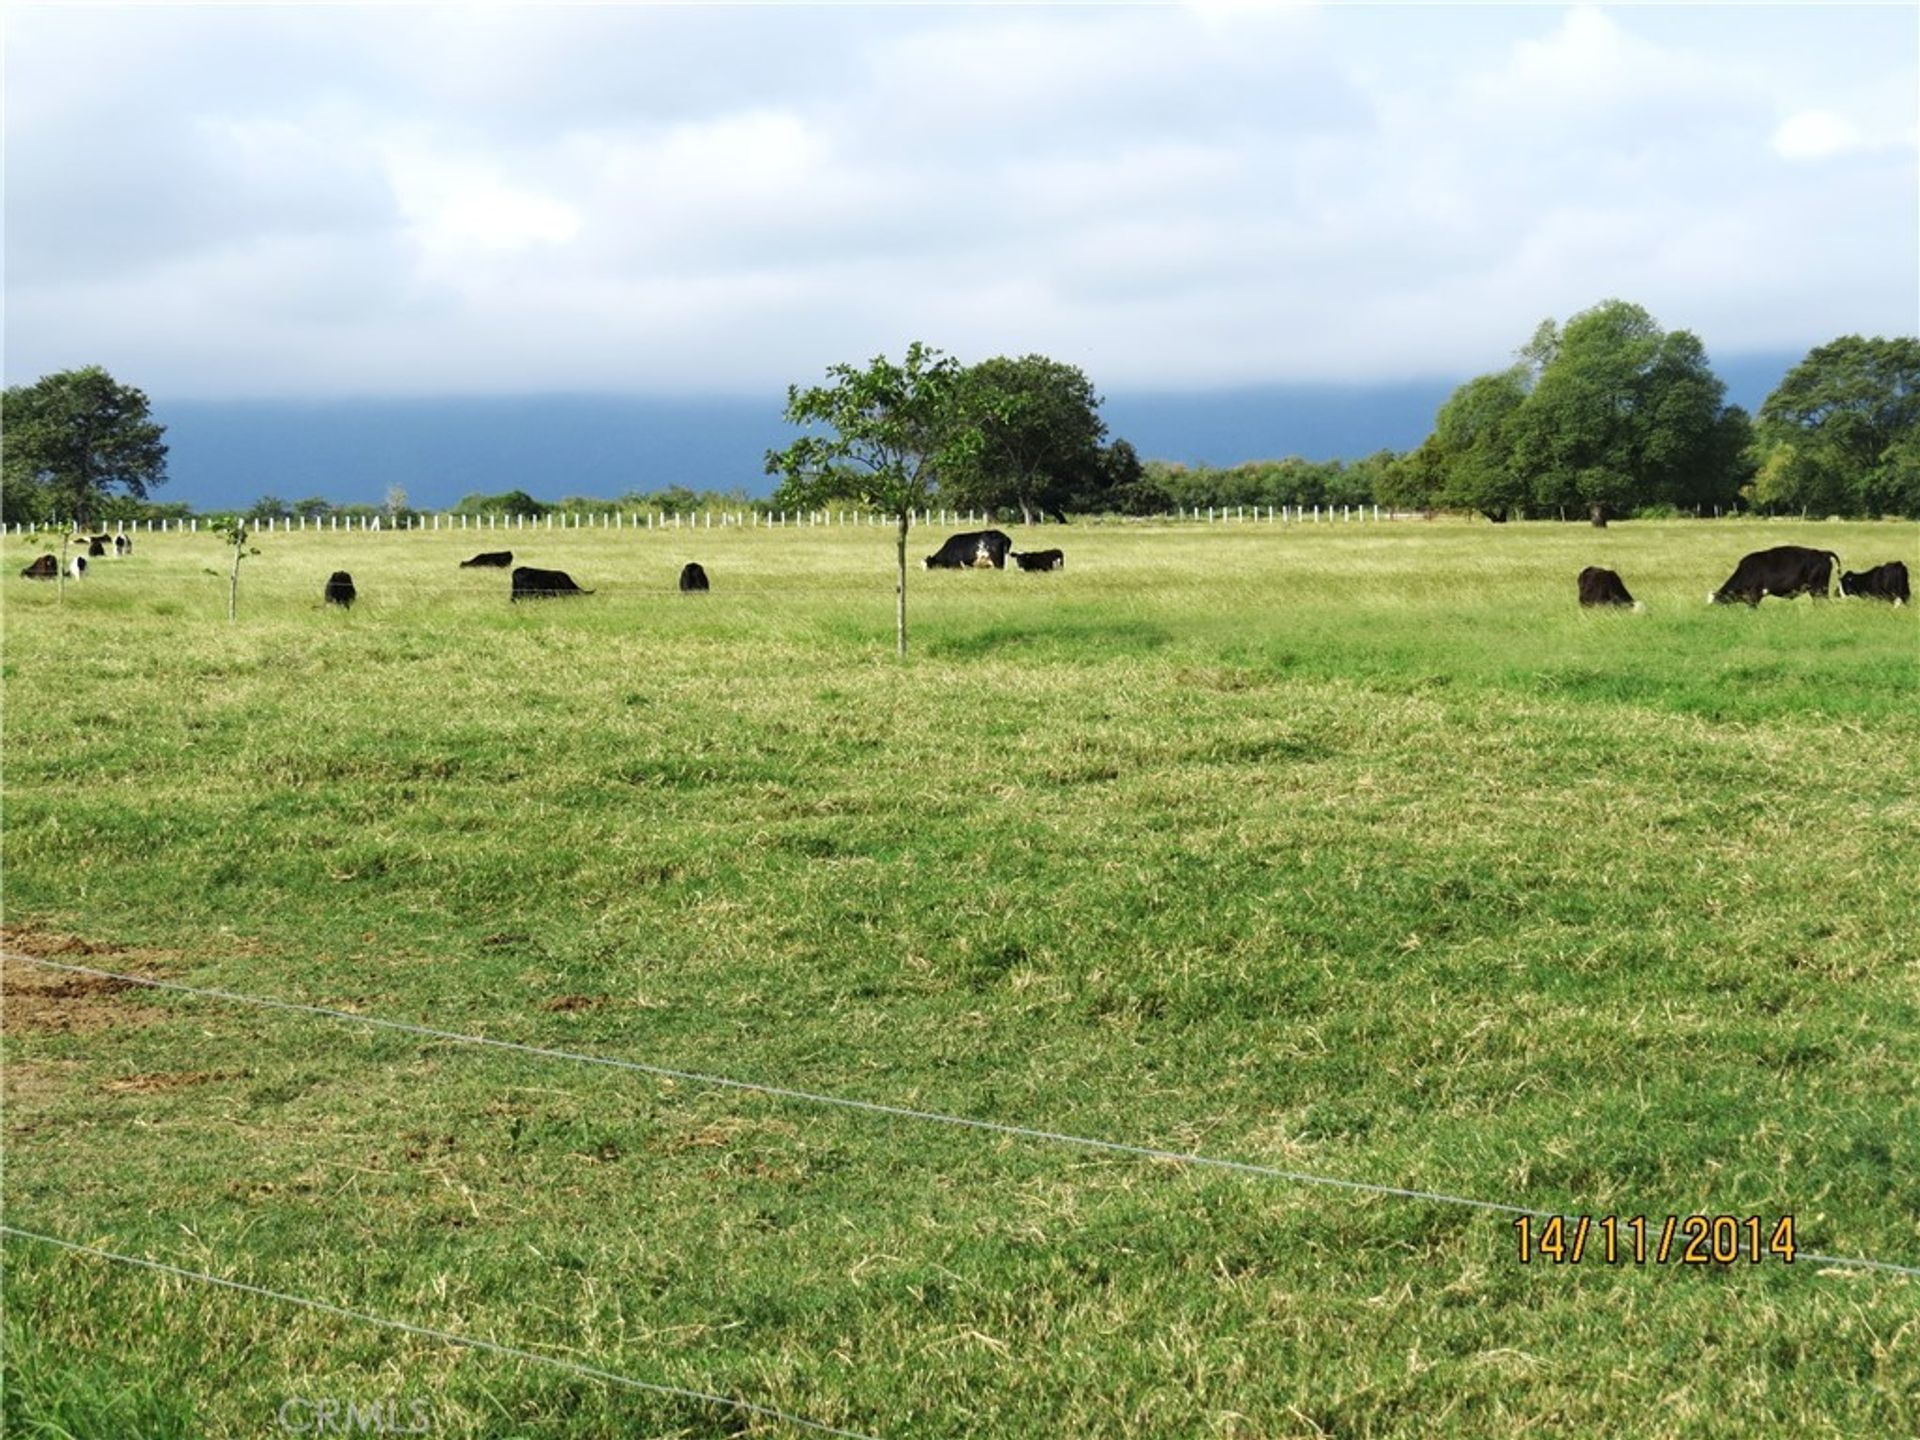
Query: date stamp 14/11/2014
1654,1240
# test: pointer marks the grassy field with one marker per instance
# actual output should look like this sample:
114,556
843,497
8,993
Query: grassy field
1353,850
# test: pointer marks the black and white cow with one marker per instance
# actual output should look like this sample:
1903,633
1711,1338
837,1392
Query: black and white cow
693,578
77,567
977,549
122,545
1883,582
1785,571
532,584
339,590
1039,559
1604,587
499,558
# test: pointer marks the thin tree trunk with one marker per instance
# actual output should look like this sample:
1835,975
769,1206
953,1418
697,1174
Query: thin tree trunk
233,585
900,593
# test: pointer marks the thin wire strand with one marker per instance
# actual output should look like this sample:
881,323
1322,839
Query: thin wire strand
875,1107
444,1336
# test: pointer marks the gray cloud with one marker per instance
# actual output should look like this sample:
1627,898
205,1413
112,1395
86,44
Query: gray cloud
351,200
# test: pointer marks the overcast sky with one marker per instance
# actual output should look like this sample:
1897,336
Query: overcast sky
241,201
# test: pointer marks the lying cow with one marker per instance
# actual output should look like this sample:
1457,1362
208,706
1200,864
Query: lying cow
122,545
77,567
693,578
1038,559
1604,587
497,558
532,584
47,567
339,589
97,546
977,548
1883,582
1785,571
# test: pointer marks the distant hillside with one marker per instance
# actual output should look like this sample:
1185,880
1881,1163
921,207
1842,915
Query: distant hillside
232,452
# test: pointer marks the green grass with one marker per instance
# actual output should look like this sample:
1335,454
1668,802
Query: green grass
1353,850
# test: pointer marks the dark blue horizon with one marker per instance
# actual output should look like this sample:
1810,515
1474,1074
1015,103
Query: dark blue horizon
229,453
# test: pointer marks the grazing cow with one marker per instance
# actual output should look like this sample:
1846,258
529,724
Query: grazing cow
498,558
532,584
977,548
77,567
47,567
122,545
1785,570
1038,559
1883,582
340,589
693,577
1604,587
97,546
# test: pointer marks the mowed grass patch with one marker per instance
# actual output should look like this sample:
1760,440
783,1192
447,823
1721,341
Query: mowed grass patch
1355,851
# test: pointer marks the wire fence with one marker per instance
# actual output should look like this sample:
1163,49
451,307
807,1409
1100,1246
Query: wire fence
884,1109
445,1337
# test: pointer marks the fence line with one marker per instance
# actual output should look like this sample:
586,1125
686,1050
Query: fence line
874,1107
445,1337
636,520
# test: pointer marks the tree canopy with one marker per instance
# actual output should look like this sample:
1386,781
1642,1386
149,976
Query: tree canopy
1039,437
1841,433
73,439
1607,413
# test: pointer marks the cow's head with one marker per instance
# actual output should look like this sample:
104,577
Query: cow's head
1852,584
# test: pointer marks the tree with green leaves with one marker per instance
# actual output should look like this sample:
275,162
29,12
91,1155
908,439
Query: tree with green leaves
75,437
1040,437
1621,414
1472,446
1602,415
1841,433
887,433
269,507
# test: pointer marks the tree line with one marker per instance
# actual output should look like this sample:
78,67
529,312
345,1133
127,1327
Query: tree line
1605,415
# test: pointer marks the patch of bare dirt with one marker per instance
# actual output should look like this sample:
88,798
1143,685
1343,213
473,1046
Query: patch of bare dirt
577,1002
33,997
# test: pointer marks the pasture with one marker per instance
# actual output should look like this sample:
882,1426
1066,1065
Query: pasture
1355,851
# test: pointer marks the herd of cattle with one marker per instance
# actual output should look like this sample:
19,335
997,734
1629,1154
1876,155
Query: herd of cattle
98,547
983,549
1783,571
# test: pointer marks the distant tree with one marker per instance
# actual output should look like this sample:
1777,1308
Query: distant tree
1413,481
889,433
314,507
396,506
514,502
1039,436
1841,433
1119,483
1472,446
74,437
1600,416
1620,414
269,507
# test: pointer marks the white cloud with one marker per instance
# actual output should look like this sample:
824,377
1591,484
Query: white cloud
1814,135
260,200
